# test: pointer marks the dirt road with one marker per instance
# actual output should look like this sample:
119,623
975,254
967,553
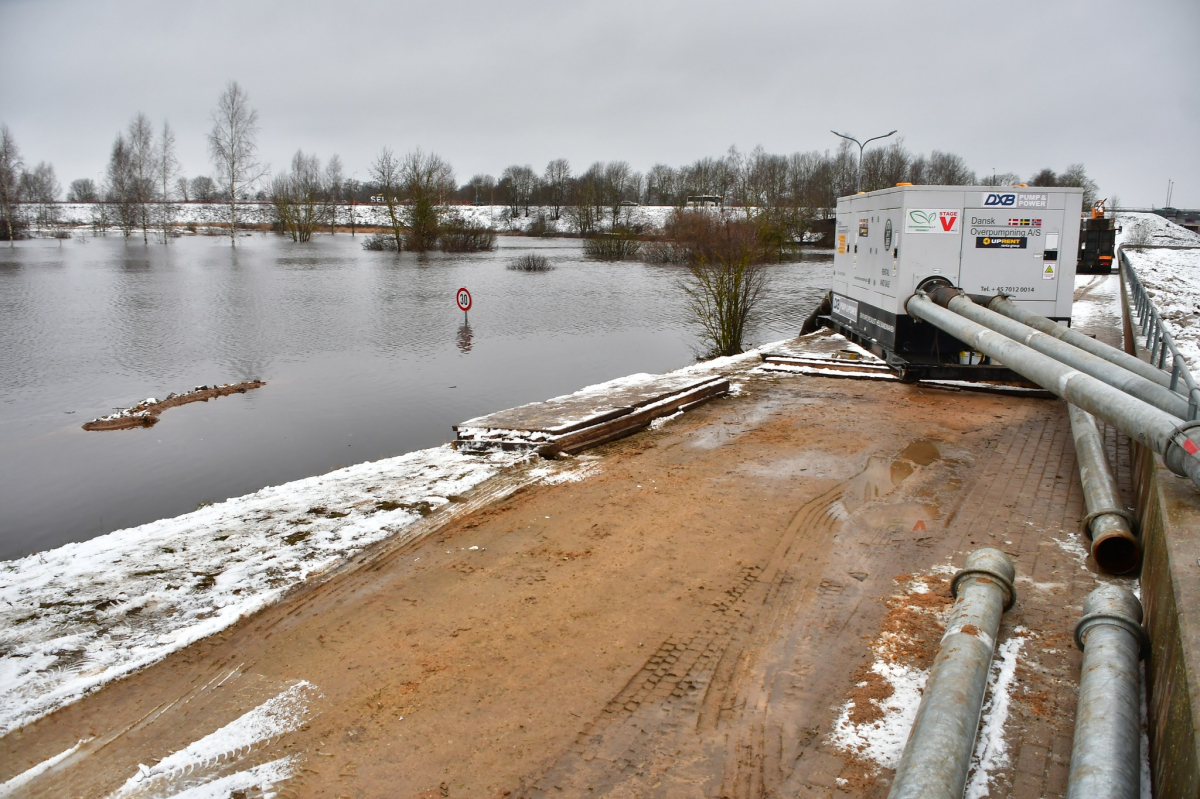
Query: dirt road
690,620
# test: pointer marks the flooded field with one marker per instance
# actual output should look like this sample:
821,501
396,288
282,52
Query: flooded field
364,353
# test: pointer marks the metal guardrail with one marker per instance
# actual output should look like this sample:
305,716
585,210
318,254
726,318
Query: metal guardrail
1159,340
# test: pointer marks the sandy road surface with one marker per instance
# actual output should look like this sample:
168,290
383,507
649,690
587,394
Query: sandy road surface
689,621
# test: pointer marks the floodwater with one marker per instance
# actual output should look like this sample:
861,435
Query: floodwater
365,355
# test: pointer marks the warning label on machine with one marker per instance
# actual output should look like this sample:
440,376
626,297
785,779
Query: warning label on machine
998,243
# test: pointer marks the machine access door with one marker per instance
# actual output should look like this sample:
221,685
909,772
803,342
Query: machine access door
1013,251
886,251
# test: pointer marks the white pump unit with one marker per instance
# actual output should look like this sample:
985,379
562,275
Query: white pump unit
1021,242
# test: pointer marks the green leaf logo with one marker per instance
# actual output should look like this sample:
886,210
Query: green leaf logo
921,217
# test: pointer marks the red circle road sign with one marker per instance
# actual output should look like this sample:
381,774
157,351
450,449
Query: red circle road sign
464,300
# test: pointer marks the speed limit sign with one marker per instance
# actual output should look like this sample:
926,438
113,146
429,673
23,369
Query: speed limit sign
464,300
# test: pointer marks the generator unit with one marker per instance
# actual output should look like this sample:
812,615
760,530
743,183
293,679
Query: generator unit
1017,241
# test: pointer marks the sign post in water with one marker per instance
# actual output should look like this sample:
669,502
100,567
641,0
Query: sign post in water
463,298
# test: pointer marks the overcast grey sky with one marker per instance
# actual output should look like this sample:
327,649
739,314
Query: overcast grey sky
1014,85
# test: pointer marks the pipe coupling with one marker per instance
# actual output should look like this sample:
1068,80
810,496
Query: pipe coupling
1113,606
989,562
1086,524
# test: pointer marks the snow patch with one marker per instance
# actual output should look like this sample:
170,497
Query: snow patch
882,741
10,788
284,713
991,749
75,618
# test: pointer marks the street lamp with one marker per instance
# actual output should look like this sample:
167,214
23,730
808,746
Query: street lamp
861,145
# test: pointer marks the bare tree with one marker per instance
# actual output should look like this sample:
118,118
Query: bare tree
11,167
40,189
618,179
660,185
203,189
521,183
82,190
726,279
557,180
119,190
166,167
428,181
233,146
182,188
1077,176
385,171
142,163
1001,179
301,197
482,189
334,186
948,169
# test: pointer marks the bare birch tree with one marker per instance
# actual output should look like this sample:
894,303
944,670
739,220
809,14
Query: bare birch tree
11,167
334,186
141,172
233,146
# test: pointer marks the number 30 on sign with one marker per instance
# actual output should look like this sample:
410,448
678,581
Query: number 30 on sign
464,300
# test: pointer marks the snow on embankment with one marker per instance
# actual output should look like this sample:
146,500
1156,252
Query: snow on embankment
369,215
82,615
1171,276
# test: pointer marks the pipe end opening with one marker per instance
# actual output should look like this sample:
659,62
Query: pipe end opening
1117,554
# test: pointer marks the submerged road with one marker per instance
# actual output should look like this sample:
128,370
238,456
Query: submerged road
740,603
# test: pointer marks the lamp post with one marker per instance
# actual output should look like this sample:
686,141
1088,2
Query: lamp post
861,145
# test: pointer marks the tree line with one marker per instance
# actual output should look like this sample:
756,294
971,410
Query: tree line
783,193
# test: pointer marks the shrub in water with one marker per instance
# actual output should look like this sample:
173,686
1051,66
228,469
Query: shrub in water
379,243
531,263
618,245
466,235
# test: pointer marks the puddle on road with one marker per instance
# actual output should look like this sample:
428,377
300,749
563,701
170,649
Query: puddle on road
921,452
882,476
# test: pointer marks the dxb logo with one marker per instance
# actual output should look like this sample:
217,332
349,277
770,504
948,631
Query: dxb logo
1000,199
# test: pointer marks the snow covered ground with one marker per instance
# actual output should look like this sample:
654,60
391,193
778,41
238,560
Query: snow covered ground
77,617
370,214
1171,276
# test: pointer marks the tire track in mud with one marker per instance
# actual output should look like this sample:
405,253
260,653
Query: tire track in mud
698,713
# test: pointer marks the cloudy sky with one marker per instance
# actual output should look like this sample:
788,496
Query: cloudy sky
1013,86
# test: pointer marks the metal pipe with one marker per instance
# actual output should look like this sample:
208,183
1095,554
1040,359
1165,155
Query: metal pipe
1173,439
1157,395
1107,524
937,755
1106,755
1006,307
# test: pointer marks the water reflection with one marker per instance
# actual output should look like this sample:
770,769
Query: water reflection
465,337
358,350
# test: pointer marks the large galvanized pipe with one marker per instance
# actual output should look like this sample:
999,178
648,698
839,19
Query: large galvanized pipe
937,755
1006,307
1107,525
1106,760
1169,436
1099,368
